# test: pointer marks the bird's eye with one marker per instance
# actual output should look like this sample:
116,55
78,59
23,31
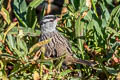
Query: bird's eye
51,20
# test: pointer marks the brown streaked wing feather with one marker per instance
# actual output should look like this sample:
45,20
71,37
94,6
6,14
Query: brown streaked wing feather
58,46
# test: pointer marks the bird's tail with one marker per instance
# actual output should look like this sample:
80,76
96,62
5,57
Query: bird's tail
85,62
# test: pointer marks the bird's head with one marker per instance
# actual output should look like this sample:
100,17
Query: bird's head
48,23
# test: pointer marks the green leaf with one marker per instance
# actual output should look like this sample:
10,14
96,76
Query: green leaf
20,19
98,28
18,52
26,31
42,12
115,10
11,41
65,72
1,36
20,8
8,29
110,2
111,70
75,4
8,56
22,45
90,26
79,28
31,18
93,4
34,24
88,16
35,3
69,23
1,64
112,31
71,8
117,22
19,70
45,77
114,13
104,23
105,11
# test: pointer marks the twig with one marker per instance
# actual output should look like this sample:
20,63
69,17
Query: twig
49,7
64,9
8,50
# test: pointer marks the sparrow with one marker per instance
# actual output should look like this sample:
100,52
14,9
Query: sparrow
59,45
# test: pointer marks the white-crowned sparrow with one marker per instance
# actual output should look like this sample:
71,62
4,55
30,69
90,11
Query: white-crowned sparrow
59,45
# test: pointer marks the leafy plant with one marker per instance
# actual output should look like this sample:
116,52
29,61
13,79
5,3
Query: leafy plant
93,31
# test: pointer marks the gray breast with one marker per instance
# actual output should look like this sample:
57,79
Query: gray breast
58,45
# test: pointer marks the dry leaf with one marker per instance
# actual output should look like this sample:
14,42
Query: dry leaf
9,28
0,52
20,34
5,15
118,76
39,44
88,3
84,14
36,76
9,6
49,7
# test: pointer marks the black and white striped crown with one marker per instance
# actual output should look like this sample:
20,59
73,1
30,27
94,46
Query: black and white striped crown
48,18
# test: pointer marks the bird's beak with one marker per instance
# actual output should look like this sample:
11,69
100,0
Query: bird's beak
58,18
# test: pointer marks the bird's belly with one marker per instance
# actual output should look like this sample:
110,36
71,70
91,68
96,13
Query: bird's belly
58,46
